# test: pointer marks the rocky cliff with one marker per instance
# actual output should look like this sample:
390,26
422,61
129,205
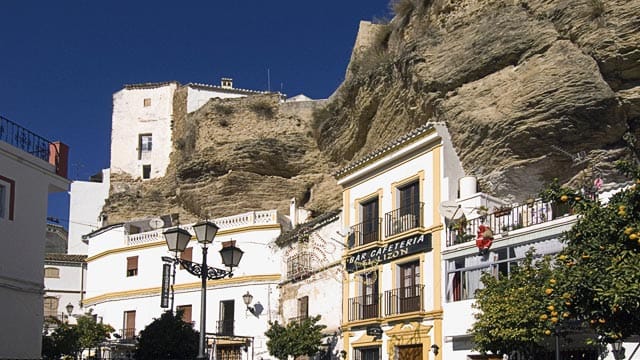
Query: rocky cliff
530,90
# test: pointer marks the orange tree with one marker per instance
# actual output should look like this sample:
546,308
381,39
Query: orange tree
597,275
509,316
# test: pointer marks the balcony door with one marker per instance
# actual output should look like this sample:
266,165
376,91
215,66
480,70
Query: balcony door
370,295
225,325
370,216
409,206
410,287
129,331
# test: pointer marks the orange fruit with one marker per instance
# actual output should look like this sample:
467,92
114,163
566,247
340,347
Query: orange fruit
564,198
548,291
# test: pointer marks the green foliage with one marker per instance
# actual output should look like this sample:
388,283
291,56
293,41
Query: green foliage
70,340
597,273
63,341
295,339
510,317
223,109
168,338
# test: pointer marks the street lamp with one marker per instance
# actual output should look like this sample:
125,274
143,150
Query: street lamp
247,298
205,233
617,350
69,308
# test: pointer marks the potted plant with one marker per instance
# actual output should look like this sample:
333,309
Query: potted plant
502,210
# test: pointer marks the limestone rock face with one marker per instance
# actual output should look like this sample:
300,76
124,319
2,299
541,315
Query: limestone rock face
530,90
233,156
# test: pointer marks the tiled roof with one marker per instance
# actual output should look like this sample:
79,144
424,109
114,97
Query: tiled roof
228,89
149,85
293,234
65,257
402,140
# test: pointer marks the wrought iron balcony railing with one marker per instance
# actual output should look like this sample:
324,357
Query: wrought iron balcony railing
403,219
128,335
364,307
298,319
365,232
225,327
404,300
506,219
299,265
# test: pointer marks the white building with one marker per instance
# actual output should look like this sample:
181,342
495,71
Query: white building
64,279
30,169
125,276
86,200
392,294
142,122
312,262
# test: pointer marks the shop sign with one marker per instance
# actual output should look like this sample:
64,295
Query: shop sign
384,254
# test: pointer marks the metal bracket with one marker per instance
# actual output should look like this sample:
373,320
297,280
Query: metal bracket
196,268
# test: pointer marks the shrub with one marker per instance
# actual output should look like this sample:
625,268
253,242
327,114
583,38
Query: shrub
262,108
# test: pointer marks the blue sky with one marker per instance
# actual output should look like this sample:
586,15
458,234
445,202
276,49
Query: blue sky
62,60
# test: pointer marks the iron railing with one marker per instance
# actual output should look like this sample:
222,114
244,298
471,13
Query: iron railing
364,307
299,265
506,219
403,219
127,334
404,300
365,232
24,139
298,319
225,327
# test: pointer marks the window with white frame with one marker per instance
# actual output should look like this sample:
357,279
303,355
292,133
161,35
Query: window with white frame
145,144
7,191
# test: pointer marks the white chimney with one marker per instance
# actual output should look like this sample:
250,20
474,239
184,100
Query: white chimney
468,186
226,83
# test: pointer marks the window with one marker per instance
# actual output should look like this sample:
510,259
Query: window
145,144
147,102
303,308
410,299
129,327
186,313
7,197
225,325
409,352
229,352
407,215
50,306
146,171
370,220
369,292
51,272
132,266
369,353
187,254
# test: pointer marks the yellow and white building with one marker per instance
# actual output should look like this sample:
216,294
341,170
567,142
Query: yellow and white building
392,289
125,272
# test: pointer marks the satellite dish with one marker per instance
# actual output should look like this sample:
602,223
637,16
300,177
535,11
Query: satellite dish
156,223
450,210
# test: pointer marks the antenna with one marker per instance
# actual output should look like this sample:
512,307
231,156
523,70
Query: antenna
268,79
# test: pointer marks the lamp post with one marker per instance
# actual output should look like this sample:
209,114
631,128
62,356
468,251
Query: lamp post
205,231
617,350
69,308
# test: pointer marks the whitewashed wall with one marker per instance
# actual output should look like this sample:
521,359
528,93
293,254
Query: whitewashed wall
85,206
22,257
67,288
198,96
131,118
110,292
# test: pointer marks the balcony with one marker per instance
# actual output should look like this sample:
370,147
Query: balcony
364,233
403,219
404,300
364,307
55,153
299,266
225,327
127,335
506,219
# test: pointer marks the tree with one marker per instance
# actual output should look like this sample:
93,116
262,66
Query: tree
91,333
597,272
509,317
64,340
295,339
168,337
